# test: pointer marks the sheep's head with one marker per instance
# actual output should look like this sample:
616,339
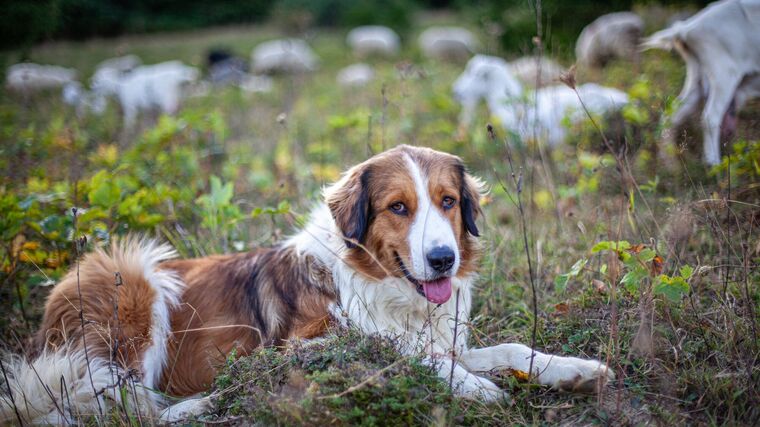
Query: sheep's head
484,77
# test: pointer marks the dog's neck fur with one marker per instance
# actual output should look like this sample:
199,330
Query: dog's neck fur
390,306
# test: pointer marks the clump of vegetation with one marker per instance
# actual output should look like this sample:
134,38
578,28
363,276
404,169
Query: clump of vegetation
344,378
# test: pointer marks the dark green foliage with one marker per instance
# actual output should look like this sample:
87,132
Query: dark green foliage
562,21
24,22
396,14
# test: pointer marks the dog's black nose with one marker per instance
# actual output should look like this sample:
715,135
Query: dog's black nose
441,258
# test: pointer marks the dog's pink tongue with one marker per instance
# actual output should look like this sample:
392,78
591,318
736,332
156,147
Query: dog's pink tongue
437,291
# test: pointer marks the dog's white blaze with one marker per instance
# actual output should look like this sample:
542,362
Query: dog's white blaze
429,228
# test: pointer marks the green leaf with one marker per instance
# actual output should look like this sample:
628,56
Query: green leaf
609,245
560,282
686,272
103,190
633,278
647,255
672,287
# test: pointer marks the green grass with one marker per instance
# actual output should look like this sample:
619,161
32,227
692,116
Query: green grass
702,367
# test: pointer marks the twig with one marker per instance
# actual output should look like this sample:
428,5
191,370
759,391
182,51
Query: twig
366,381
77,243
454,343
518,182
10,393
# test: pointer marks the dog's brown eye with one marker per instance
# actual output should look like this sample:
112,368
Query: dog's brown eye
398,208
448,202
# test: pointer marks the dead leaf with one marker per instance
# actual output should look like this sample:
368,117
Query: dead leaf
561,309
657,264
520,375
635,249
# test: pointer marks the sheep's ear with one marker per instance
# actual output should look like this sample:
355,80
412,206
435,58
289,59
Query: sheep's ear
470,191
349,203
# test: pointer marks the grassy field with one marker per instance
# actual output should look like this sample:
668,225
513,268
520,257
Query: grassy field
643,258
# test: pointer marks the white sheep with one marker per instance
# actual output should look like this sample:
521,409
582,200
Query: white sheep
721,48
371,40
447,43
28,77
256,84
490,78
123,64
148,87
615,35
526,69
289,56
83,100
355,75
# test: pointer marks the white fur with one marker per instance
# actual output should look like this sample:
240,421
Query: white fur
721,48
355,75
39,398
284,56
614,35
168,287
537,113
447,43
429,229
370,40
145,88
28,77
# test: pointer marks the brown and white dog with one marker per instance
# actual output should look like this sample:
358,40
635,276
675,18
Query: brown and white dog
390,251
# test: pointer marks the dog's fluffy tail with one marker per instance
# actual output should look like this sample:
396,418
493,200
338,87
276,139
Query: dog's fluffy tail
58,388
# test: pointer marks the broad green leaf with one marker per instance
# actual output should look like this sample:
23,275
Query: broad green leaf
647,255
686,272
609,245
632,280
103,190
560,282
672,287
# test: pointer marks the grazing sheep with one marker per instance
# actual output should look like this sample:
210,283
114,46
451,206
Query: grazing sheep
355,75
28,77
526,70
83,101
146,88
256,84
224,67
371,40
288,56
490,78
615,35
123,64
447,43
721,48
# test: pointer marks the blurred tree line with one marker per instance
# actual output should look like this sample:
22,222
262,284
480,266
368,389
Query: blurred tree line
25,22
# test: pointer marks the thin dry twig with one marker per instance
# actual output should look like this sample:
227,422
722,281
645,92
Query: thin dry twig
517,180
79,242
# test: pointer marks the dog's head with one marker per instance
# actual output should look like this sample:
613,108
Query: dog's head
410,213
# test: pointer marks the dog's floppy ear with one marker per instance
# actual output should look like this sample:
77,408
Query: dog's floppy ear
470,191
348,200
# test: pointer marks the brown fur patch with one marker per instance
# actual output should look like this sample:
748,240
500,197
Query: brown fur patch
121,333
238,302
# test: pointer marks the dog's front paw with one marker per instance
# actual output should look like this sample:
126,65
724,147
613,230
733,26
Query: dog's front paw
479,388
186,410
582,376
